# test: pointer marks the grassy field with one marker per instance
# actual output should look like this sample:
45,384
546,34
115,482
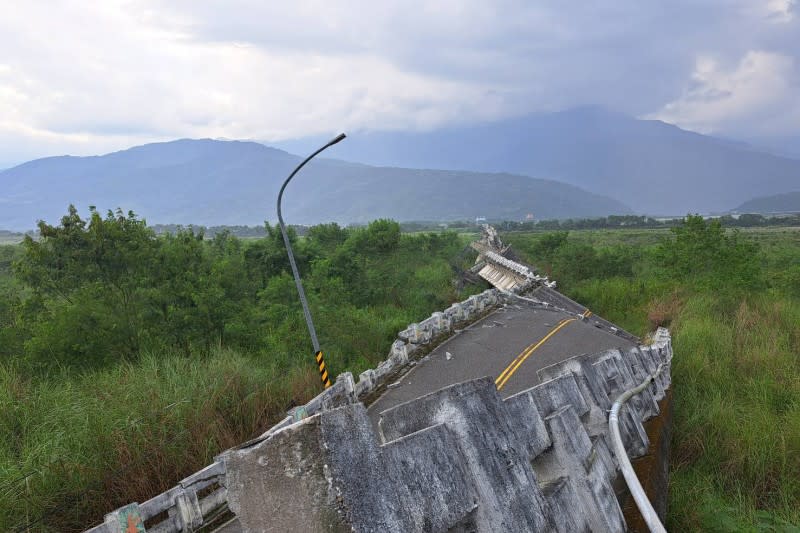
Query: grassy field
735,463
86,427
10,239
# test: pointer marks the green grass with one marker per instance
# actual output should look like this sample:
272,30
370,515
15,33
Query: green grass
736,447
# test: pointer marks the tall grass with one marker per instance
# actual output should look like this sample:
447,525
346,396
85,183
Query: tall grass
736,452
79,446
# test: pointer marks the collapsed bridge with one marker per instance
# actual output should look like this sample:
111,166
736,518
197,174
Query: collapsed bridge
491,415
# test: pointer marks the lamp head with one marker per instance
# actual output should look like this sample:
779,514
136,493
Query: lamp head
337,139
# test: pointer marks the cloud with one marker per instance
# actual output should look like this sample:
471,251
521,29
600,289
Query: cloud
78,77
781,11
758,94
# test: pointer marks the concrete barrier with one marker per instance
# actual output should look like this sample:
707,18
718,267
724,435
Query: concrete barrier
459,459
417,337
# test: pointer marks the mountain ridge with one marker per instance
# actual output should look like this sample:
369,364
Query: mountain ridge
213,182
655,167
777,203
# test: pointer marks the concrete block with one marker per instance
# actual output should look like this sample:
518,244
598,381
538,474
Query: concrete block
341,392
411,333
619,378
327,473
432,486
384,368
438,322
281,484
366,383
604,457
651,360
591,385
527,422
574,452
505,485
399,352
455,312
556,393
563,501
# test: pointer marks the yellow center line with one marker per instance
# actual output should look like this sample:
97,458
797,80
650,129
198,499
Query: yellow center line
517,362
520,356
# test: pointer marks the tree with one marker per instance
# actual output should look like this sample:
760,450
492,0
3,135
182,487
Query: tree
701,252
327,236
89,275
380,237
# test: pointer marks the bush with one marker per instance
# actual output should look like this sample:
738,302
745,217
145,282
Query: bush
701,253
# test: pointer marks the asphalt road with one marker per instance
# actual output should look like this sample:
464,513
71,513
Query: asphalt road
510,345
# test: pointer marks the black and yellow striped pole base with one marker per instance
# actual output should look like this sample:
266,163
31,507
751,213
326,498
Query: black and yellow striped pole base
323,372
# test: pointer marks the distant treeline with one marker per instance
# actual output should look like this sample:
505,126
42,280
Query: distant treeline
300,229
633,221
12,234
609,222
212,231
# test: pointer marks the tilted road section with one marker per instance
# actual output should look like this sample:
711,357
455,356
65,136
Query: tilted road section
488,416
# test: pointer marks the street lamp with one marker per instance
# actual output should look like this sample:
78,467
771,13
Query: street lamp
323,372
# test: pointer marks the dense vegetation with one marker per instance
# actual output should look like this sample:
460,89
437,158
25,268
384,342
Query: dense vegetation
745,220
127,360
732,301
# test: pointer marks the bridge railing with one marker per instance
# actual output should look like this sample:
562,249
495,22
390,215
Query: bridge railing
187,505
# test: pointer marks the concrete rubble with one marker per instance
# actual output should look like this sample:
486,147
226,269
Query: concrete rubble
458,459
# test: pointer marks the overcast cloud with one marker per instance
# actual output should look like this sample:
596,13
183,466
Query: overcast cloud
90,77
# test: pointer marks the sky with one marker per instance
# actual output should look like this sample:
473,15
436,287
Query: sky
85,78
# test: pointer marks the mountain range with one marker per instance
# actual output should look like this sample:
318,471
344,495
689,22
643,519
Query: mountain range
778,203
583,162
213,182
654,167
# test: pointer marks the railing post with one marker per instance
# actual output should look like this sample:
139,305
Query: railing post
126,519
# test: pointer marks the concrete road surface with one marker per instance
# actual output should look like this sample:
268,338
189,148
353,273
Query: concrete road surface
509,345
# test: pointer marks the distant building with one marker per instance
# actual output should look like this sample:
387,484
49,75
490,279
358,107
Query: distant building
480,220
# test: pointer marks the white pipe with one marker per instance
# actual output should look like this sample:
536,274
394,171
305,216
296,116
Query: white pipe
645,507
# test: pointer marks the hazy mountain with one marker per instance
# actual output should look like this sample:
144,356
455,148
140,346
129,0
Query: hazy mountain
779,203
654,167
783,145
225,182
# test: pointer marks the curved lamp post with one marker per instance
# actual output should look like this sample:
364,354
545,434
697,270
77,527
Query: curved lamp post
323,372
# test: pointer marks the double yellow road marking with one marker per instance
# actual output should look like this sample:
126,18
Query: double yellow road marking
586,314
517,362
